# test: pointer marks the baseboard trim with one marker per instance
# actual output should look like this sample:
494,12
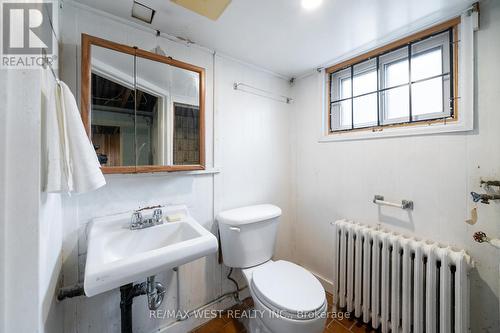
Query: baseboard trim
195,321
327,284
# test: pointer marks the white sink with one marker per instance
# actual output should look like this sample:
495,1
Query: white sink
117,255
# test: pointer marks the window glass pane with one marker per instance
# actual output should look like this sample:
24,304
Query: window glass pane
341,115
341,84
365,110
396,73
365,77
395,105
430,57
426,64
345,87
429,98
394,68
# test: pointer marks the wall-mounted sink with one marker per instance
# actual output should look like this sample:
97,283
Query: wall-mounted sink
117,255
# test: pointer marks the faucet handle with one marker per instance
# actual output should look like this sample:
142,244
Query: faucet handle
157,215
136,220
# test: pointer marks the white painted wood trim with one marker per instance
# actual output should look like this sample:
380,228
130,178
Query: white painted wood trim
326,283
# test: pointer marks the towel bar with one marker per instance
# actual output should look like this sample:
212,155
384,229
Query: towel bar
405,204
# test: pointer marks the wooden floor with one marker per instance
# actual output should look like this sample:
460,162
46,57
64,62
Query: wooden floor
225,324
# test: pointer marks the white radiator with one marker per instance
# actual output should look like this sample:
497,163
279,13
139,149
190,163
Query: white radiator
400,284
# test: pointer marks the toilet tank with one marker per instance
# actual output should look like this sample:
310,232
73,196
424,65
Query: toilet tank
248,234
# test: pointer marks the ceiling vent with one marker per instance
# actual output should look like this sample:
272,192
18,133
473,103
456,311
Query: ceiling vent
212,9
142,12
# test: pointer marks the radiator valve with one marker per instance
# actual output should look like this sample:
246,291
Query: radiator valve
481,237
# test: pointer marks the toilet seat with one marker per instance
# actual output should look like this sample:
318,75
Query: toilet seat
289,290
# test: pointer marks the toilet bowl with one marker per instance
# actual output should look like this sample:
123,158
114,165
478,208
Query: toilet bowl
287,297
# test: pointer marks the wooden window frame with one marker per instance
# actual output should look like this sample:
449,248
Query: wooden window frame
85,99
439,28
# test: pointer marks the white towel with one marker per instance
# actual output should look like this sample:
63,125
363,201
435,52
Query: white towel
71,161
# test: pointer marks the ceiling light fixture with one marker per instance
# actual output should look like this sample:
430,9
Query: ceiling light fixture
311,4
142,12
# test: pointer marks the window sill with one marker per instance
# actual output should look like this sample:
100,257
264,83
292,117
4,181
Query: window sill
211,171
388,132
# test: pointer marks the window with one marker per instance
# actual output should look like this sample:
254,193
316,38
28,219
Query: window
186,121
411,81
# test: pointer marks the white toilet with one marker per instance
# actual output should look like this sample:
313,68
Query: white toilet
287,297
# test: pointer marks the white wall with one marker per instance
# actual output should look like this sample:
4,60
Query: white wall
50,254
253,145
20,270
12,246
251,150
338,179
30,226
3,198
49,229
49,214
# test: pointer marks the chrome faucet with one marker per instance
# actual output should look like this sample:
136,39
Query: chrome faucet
138,222
157,215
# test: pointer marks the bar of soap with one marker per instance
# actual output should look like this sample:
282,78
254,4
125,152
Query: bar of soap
175,217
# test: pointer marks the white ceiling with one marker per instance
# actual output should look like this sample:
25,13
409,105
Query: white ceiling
281,36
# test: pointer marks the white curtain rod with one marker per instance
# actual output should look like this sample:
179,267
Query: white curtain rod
261,92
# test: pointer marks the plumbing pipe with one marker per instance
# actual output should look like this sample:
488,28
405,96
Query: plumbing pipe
155,292
72,291
130,291
488,183
234,282
127,294
484,198
217,300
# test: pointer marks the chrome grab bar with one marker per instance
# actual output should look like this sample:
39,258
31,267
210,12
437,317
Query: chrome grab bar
405,204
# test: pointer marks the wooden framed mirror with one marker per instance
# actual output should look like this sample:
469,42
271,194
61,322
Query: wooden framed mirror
144,112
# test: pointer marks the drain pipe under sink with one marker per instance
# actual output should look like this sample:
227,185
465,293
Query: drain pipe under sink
155,292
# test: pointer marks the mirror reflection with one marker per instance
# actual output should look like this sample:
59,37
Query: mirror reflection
113,107
169,97
144,112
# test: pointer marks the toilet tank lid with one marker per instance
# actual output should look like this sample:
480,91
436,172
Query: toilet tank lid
249,214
